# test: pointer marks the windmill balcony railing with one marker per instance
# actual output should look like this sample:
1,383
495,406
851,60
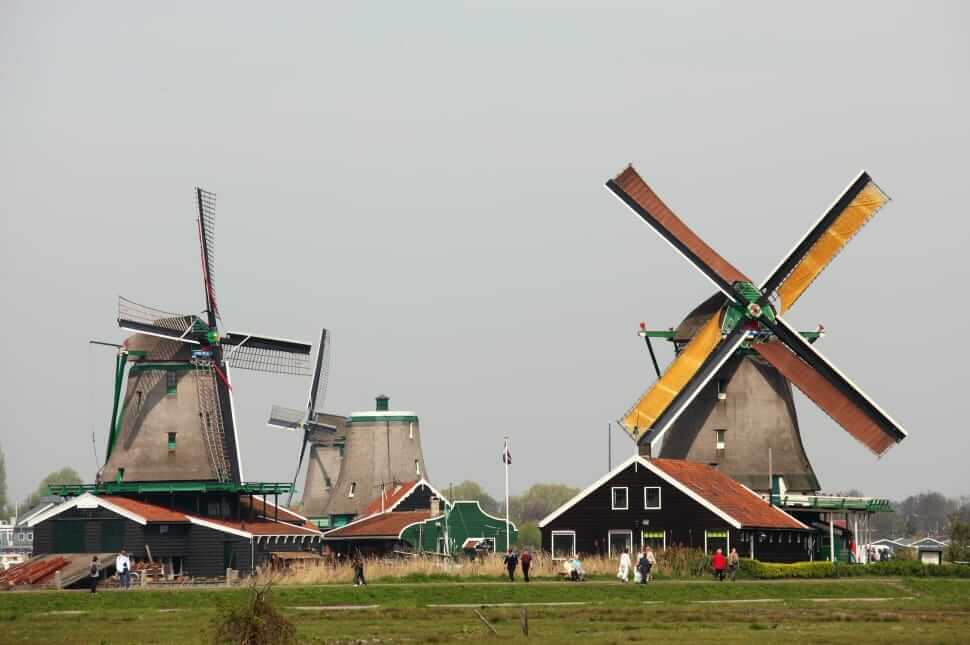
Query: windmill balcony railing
111,488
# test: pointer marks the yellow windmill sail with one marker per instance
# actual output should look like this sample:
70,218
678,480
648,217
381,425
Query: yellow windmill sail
655,400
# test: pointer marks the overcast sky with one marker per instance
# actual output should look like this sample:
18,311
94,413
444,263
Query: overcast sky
426,180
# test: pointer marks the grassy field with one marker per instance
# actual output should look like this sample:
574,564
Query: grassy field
862,610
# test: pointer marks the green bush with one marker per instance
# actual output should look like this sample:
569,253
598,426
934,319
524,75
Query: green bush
907,568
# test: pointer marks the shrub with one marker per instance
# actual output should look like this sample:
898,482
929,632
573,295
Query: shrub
908,568
257,622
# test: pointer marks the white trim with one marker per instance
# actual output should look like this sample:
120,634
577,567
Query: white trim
261,498
811,228
552,543
727,539
779,510
609,541
811,348
686,404
659,505
219,527
420,482
85,498
482,511
613,506
731,296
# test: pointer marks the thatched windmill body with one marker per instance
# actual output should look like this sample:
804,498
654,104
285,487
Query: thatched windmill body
727,397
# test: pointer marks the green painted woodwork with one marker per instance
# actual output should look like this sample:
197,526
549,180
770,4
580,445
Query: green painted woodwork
115,426
748,291
667,334
365,418
162,367
732,318
340,520
114,488
871,505
445,534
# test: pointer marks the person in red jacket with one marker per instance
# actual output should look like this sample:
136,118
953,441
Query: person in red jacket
718,563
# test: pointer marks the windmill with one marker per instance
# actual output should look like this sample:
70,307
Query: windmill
319,430
738,341
176,421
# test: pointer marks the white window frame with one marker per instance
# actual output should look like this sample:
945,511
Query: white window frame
643,544
613,505
609,540
721,386
552,543
727,540
353,489
659,499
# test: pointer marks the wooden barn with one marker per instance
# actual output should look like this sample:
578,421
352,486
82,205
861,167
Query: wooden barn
240,535
670,502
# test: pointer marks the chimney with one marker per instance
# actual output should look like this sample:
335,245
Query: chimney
382,402
435,506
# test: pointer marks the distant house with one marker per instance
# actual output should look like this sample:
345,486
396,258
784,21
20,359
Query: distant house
929,550
186,543
414,518
668,502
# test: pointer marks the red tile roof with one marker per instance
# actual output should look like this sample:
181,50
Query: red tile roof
383,525
728,495
151,512
391,498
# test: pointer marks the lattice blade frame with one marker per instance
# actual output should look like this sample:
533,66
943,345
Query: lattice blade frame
265,354
207,244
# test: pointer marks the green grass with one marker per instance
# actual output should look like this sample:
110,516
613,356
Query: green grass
917,610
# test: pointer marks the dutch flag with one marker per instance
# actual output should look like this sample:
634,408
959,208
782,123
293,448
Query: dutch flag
506,453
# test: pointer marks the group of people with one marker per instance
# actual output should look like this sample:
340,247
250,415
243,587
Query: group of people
122,568
513,561
644,566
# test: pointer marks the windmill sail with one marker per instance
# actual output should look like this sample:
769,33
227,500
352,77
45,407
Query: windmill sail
207,243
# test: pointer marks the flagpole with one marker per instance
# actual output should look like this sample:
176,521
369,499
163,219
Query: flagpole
506,460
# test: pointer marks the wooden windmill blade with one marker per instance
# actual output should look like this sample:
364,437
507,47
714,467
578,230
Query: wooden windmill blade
207,244
823,383
685,377
860,201
633,191
266,354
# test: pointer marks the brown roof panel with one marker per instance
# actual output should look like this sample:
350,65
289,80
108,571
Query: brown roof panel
390,499
151,512
381,525
729,496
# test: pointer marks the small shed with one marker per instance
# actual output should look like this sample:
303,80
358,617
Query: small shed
462,528
929,550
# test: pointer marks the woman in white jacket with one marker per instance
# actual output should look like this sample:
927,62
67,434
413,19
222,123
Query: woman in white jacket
624,571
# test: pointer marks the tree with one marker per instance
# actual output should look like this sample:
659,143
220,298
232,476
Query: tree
473,490
540,500
62,476
529,535
3,485
959,549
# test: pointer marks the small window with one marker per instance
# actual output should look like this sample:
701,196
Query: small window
721,389
171,440
411,430
162,529
621,501
171,383
417,467
719,439
651,498
327,482
353,489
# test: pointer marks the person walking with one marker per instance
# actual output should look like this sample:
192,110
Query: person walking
123,568
94,572
651,560
526,560
511,561
358,565
623,573
733,562
643,567
718,562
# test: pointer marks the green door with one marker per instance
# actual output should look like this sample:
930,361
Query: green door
68,536
112,535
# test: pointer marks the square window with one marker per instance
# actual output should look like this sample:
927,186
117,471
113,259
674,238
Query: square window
719,439
618,541
353,489
171,383
417,467
651,498
621,498
171,440
563,544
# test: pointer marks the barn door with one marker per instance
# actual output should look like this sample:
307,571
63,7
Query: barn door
69,536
